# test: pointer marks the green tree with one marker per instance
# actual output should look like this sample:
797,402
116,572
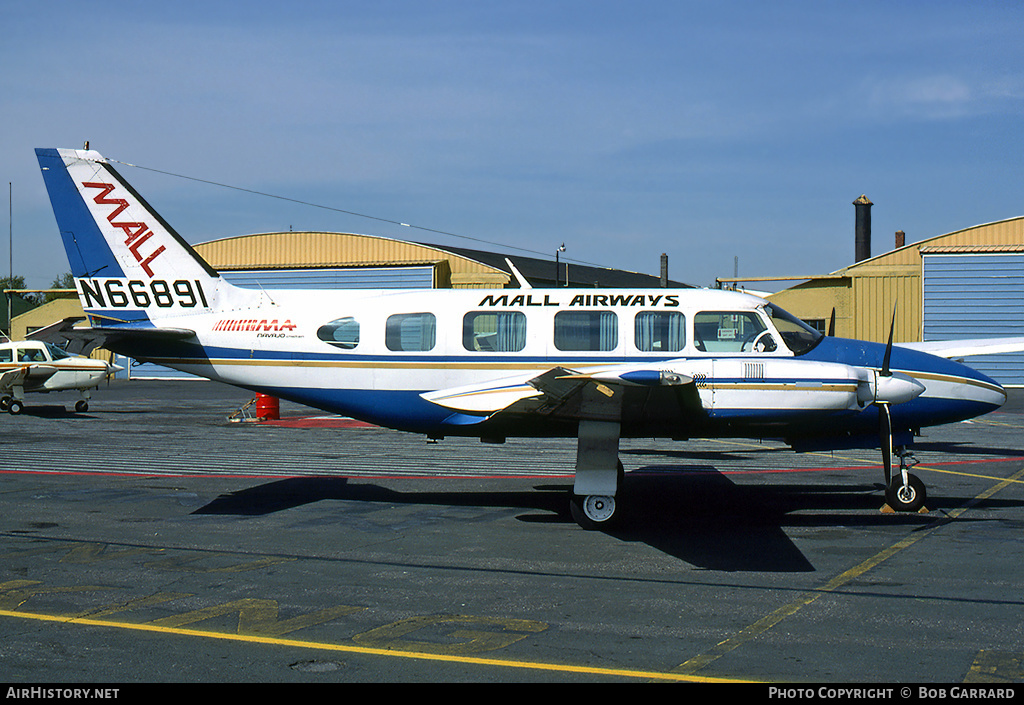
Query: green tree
64,281
18,304
18,282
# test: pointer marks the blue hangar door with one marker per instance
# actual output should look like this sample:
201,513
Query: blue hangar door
977,295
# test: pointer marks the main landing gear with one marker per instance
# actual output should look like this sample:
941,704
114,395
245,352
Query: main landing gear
598,470
595,511
11,405
15,404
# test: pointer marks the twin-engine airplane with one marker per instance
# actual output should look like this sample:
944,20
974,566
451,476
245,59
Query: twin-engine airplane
34,366
595,365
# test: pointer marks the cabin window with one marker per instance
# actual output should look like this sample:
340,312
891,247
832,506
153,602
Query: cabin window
7,355
411,332
489,331
731,332
31,355
341,333
660,331
586,331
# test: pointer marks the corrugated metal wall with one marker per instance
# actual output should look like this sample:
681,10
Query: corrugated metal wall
877,296
334,278
977,295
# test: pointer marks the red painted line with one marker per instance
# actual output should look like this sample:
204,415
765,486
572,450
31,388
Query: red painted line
312,422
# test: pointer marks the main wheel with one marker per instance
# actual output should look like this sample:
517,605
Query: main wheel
592,511
15,407
906,499
5,402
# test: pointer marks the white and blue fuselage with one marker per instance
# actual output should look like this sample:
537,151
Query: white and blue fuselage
595,364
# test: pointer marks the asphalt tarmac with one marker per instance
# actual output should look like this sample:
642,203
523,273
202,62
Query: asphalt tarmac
154,540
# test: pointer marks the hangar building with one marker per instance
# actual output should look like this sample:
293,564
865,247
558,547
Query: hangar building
345,260
964,284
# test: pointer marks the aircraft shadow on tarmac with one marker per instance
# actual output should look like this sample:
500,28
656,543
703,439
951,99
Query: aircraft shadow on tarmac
51,411
695,514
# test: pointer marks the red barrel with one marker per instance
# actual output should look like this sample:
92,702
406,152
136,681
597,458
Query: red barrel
267,407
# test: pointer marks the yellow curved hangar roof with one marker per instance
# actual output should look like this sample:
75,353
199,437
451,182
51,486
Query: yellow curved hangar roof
300,250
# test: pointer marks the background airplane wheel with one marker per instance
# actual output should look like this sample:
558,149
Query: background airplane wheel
906,499
81,406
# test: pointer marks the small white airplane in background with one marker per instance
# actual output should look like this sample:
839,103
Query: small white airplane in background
35,366
591,364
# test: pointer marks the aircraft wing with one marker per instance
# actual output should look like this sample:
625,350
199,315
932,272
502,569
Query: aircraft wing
82,341
10,378
555,393
32,373
966,348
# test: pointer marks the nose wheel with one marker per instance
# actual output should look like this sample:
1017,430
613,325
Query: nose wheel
906,496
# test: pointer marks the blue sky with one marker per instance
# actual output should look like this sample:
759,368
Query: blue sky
708,131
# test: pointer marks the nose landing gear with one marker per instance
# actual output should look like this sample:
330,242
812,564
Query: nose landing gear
905,492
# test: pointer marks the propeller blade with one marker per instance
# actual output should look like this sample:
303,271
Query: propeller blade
888,348
832,324
885,437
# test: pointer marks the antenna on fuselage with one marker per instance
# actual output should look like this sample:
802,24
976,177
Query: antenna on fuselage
523,283
269,298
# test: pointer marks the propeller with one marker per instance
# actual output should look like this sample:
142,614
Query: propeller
884,417
886,372
895,388
832,324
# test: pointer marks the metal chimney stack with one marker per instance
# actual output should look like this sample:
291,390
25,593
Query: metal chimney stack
863,229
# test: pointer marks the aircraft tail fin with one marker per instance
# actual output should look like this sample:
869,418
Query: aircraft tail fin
129,264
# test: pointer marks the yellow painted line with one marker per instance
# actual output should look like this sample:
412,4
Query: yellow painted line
769,621
969,474
836,455
989,422
366,651
996,667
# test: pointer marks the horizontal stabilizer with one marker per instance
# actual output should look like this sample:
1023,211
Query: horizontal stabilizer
82,341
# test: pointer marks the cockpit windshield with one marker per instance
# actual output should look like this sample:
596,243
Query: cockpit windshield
55,352
797,335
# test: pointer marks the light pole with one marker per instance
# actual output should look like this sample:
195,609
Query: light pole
10,235
559,250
